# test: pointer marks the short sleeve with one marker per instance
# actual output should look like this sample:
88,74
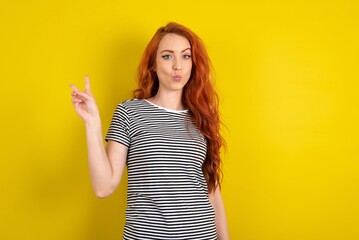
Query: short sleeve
119,129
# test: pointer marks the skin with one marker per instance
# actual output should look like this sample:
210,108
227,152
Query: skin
173,68
106,164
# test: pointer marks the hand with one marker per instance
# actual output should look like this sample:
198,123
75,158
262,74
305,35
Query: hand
84,103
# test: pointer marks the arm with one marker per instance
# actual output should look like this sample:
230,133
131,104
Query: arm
106,165
221,219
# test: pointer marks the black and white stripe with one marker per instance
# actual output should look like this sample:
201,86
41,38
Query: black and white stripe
167,196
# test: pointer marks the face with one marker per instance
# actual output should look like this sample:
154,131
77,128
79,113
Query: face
173,62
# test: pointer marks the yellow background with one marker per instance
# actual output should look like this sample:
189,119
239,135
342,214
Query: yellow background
287,75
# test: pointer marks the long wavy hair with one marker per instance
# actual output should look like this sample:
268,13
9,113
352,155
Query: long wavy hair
198,96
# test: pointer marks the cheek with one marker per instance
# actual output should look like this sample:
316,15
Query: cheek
189,68
162,72
163,67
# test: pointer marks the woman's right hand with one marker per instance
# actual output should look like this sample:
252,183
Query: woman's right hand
84,102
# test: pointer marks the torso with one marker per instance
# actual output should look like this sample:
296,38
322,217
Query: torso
167,194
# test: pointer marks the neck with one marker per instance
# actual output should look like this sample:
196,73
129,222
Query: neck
170,100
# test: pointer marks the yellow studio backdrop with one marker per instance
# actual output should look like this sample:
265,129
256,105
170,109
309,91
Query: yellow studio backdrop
287,75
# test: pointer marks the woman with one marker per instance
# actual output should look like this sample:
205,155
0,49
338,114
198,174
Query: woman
169,137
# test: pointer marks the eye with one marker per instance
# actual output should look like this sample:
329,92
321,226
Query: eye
187,56
166,56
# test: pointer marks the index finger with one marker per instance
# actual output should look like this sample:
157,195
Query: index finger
74,88
87,84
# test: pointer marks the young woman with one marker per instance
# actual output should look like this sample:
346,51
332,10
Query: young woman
168,135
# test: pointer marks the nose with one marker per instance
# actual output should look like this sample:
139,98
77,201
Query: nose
177,64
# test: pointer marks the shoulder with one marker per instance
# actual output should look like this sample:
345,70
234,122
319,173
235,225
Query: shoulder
131,106
131,103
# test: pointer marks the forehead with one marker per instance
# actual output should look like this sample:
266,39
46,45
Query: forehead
173,42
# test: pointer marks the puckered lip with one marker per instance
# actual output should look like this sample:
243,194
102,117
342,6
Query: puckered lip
177,77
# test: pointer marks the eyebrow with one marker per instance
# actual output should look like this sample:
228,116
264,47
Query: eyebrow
173,51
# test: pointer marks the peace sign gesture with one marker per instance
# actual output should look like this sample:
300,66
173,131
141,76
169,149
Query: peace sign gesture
84,102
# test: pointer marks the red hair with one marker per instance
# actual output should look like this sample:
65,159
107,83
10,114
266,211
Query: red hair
199,96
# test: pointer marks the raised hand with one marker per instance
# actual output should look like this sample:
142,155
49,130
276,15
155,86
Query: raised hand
84,102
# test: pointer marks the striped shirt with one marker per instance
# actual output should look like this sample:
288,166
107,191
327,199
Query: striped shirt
167,195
